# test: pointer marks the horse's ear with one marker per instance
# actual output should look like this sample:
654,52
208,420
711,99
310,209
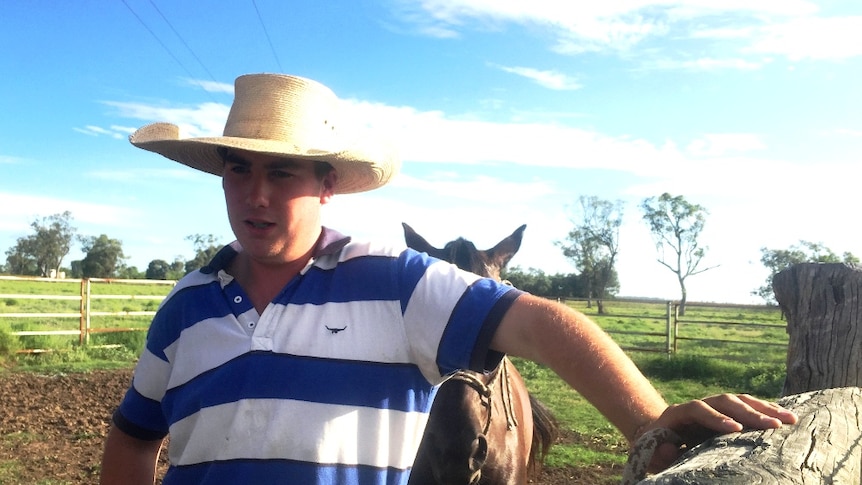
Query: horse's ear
503,252
417,242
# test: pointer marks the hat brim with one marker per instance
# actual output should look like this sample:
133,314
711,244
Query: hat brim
359,169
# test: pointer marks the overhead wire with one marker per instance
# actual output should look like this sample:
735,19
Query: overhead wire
188,47
184,42
168,50
266,33
165,47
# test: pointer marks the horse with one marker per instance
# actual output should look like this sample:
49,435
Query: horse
483,428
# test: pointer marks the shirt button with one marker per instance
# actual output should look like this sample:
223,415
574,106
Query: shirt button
237,299
250,324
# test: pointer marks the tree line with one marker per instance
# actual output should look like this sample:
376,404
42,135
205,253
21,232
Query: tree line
592,245
42,253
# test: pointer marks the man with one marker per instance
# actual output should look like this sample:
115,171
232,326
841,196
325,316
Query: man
300,356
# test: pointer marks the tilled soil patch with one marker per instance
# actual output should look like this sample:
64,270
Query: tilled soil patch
53,427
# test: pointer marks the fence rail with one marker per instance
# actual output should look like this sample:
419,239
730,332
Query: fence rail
86,313
660,327
684,329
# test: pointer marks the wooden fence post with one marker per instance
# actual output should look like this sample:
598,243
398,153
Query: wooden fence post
822,305
87,311
82,325
670,345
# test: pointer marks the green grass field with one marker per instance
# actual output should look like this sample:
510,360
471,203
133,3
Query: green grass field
717,349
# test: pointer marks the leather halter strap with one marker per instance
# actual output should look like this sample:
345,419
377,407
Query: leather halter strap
486,393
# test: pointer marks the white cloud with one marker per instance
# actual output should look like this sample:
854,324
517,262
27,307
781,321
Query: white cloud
548,78
211,86
12,217
849,132
431,136
92,130
615,33
720,144
450,185
792,29
584,17
123,129
812,38
703,64
205,119
692,9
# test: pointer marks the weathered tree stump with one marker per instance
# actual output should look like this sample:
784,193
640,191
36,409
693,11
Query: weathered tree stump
823,308
825,446
821,302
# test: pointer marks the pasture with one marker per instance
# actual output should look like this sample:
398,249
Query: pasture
718,348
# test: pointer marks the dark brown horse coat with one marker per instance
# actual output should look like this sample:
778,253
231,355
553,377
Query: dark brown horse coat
484,428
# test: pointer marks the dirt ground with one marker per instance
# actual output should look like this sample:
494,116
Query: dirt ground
52,429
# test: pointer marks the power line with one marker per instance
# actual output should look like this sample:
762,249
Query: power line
158,40
183,41
271,47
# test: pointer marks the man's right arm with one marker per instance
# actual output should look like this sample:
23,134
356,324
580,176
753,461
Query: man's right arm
129,461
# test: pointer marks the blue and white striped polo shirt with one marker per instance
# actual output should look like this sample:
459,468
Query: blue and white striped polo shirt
331,384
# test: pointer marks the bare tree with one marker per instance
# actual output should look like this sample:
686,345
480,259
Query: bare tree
676,225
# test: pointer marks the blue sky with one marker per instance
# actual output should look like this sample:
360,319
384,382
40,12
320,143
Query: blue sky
505,112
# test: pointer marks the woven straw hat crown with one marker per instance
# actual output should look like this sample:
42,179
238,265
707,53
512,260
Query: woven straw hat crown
287,116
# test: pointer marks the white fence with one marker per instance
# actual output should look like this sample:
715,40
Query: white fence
86,312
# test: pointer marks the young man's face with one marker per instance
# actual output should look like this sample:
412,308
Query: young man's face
274,203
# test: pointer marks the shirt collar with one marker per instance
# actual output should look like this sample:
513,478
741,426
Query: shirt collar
329,242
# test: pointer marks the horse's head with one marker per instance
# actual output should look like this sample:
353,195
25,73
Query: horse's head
457,443
460,439
463,253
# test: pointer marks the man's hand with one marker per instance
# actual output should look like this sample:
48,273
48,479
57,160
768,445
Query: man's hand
700,419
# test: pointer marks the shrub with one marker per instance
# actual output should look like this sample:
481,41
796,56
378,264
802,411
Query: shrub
9,344
133,342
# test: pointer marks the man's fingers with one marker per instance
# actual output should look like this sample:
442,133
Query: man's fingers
711,413
769,408
750,411
697,420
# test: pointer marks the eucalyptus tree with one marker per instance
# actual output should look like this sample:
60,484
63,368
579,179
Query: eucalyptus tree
676,225
777,260
39,253
103,258
157,269
206,246
20,259
593,244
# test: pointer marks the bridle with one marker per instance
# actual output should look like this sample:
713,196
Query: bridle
486,393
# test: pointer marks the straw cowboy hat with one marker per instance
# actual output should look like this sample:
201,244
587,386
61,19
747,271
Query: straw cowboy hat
285,116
